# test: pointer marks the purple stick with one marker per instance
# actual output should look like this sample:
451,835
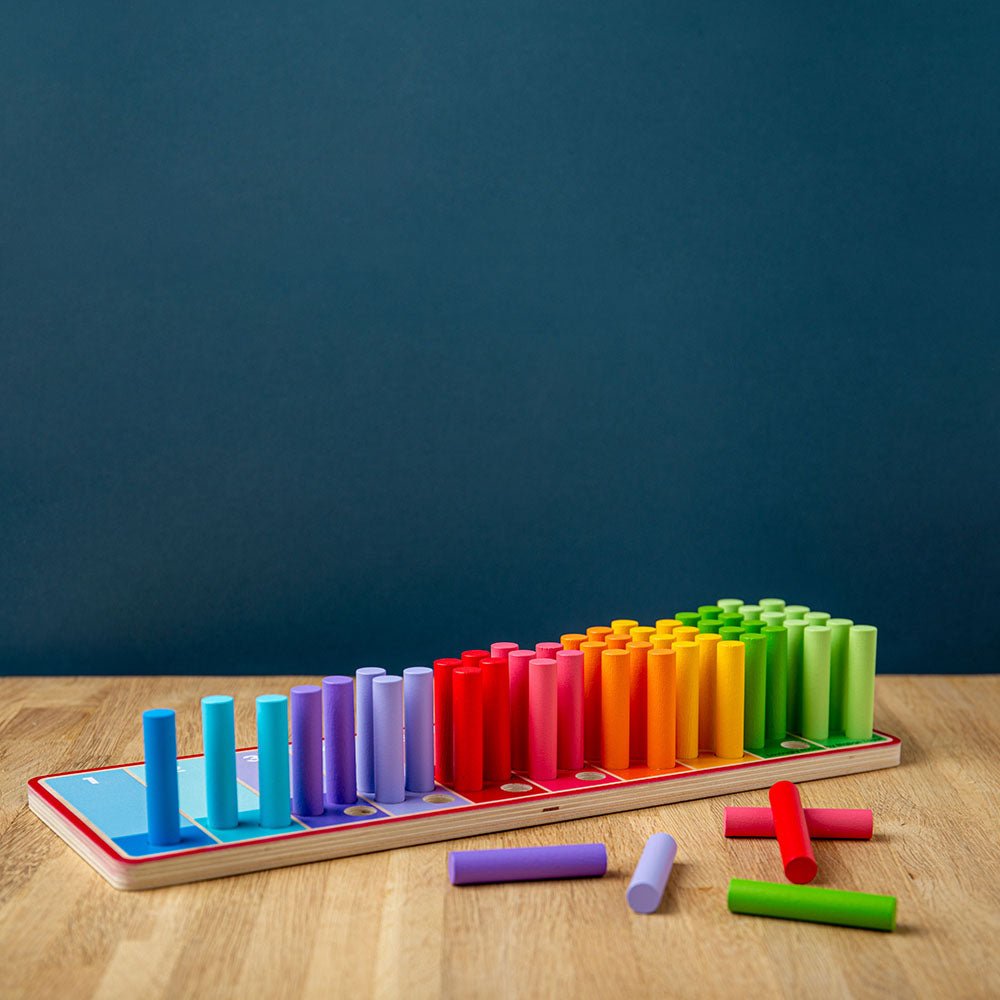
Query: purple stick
338,747
387,704
366,732
651,873
418,709
307,750
522,864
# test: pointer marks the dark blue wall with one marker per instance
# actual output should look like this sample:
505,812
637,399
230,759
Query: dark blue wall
339,334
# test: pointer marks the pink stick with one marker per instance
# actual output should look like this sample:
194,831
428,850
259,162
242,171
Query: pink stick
517,666
824,824
542,719
569,670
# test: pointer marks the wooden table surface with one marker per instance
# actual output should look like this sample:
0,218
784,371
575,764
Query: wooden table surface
390,924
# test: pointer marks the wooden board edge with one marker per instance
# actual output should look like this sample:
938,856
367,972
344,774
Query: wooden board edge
434,827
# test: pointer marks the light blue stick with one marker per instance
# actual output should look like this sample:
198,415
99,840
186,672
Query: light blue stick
218,732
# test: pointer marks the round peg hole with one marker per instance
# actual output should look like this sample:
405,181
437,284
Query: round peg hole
360,811
515,786
795,745
590,776
437,798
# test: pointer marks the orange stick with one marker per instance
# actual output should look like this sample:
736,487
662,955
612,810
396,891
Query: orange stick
706,643
637,652
661,705
592,699
686,654
614,708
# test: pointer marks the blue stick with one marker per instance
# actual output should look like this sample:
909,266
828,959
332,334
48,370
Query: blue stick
159,738
272,761
218,731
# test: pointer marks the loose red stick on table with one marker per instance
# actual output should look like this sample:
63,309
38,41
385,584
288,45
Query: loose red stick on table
823,824
792,832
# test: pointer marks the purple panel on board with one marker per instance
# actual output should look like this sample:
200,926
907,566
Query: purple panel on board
307,750
522,864
338,746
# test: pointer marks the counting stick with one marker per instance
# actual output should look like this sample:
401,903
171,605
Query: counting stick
688,619
664,626
467,691
641,633
159,738
592,698
517,668
418,722
686,654
709,611
822,824
614,708
792,833
795,612
776,683
840,630
816,683
823,906
524,864
621,626
219,739
796,644
661,677
651,873
729,700
543,714
730,604
754,690
366,727
338,745
859,687
387,706
272,761
569,680
307,750
706,643
547,650
501,650
598,633
750,612
772,604
638,650
496,721
617,640
572,640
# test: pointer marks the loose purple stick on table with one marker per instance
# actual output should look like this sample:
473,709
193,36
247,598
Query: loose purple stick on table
338,745
387,706
650,879
307,750
418,711
524,864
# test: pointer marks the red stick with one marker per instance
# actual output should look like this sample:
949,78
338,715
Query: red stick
467,692
473,657
823,824
443,756
496,721
792,832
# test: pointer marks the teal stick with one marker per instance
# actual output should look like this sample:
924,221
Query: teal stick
274,775
218,730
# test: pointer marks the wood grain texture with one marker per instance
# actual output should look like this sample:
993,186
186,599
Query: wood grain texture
390,924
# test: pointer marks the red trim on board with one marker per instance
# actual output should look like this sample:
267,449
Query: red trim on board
36,786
